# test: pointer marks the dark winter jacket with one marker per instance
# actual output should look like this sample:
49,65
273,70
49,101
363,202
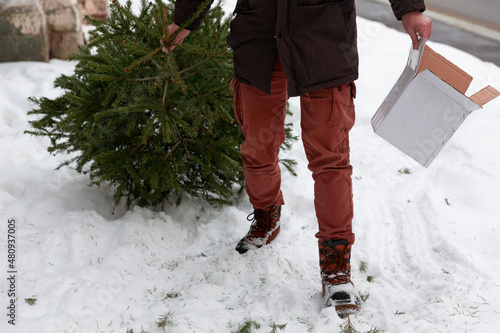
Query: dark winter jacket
315,40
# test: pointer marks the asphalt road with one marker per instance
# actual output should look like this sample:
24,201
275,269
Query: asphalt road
482,47
483,12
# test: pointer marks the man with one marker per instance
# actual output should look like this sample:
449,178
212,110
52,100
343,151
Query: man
303,48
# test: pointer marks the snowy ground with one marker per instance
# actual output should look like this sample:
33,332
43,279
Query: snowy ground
430,237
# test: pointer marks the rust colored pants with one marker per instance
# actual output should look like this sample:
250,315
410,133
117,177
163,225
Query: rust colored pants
327,115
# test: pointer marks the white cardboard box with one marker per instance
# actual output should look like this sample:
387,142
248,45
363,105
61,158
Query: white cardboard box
427,105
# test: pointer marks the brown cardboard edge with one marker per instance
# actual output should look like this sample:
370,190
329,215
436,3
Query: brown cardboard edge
445,70
485,95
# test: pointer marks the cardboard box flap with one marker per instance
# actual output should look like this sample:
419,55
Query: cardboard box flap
445,69
485,95
401,84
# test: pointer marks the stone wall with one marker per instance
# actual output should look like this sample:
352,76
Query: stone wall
94,8
36,30
23,31
64,25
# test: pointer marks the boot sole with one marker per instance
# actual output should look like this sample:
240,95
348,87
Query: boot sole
244,247
344,310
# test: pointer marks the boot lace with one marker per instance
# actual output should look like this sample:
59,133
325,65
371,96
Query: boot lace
333,257
261,222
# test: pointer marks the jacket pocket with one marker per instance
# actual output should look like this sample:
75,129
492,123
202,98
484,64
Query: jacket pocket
320,2
246,13
246,5
343,114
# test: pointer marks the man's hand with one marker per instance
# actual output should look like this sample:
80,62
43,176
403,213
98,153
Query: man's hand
416,22
178,39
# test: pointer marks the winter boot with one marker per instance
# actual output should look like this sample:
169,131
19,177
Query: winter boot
338,289
265,227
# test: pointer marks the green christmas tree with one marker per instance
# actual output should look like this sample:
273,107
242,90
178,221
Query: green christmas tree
154,125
